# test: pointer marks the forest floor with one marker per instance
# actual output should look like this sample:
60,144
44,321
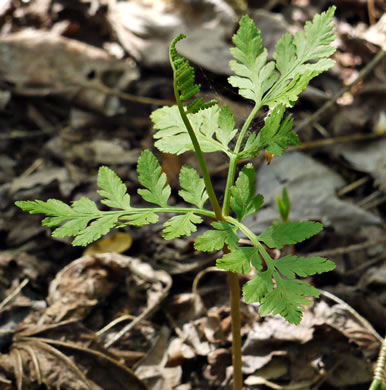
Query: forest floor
78,81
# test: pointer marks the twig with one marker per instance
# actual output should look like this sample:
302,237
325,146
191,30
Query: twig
60,355
353,312
117,321
308,145
362,74
125,96
371,11
46,342
140,318
16,134
198,278
365,265
13,294
368,204
348,249
336,140
352,186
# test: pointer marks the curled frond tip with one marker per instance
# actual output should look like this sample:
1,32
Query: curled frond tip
184,76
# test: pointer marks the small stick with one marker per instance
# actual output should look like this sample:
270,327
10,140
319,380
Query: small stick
352,186
371,10
308,145
362,74
123,95
13,294
367,264
149,310
353,312
336,140
368,204
348,249
118,320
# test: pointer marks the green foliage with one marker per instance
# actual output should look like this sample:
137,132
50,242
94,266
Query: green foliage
253,76
112,189
181,225
275,136
288,299
283,204
75,218
289,296
184,77
172,136
84,221
243,201
276,236
205,128
152,178
257,79
141,219
193,187
303,266
240,260
235,261
211,130
296,59
226,126
258,288
213,240
183,73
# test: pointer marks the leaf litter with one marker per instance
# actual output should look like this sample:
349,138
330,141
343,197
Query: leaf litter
184,341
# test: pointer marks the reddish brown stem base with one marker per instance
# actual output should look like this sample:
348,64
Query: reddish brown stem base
234,291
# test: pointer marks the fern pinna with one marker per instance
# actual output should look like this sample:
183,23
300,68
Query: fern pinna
205,128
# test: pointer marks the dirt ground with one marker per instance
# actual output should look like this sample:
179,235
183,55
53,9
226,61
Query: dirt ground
78,81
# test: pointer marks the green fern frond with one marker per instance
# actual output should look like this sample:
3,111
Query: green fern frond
199,104
184,80
184,76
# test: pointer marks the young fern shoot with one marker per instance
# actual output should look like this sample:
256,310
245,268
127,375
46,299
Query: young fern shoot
205,128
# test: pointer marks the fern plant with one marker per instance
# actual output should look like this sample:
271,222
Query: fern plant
205,128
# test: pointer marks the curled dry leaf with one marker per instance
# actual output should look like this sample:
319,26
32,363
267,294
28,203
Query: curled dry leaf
152,368
90,280
304,350
82,285
55,348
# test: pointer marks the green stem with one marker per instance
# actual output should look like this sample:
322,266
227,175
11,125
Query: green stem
375,384
245,127
379,368
255,241
174,210
201,160
233,281
200,157
229,184
234,160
